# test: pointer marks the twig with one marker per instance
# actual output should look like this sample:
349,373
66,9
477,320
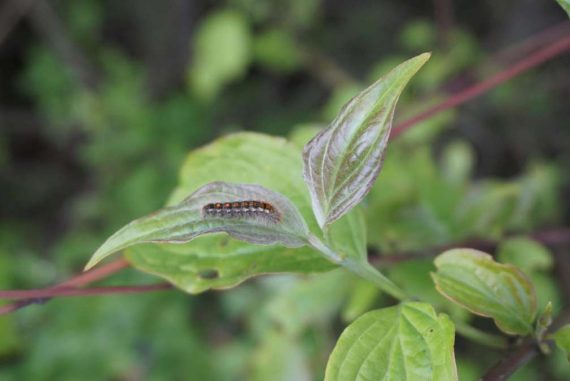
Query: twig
77,281
96,274
522,355
43,293
69,287
525,64
536,41
513,361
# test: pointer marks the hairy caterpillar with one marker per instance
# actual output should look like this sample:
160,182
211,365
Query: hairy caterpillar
245,209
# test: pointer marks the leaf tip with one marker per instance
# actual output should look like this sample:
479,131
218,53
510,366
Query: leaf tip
90,265
94,260
421,59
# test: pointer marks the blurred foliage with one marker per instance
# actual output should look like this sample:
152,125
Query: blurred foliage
482,172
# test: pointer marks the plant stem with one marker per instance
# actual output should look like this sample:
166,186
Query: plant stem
368,272
481,337
510,364
527,63
77,281
523,354
44,293
360,268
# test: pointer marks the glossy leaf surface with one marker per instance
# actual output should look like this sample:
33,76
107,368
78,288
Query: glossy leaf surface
475,281
343,161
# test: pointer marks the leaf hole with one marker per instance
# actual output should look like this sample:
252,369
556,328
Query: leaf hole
209,274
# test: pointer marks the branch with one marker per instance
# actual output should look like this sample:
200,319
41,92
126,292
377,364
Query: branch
44,293
523,354
77,281
71,286
521,49
525,64
512,362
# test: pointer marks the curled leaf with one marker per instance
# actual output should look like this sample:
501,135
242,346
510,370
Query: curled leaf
343,161
476,282
280,222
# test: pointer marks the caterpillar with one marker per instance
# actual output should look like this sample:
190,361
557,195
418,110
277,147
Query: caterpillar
246,209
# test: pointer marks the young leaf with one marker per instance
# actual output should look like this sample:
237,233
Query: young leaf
187,220
343,161
405,342
475,281
562,339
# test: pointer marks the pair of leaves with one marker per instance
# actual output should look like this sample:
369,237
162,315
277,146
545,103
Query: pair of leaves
216,260
340,165
405,342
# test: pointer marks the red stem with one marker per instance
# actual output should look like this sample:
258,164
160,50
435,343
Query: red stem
95,274
512,362
51,292
534,42
527,63
523,354
77,281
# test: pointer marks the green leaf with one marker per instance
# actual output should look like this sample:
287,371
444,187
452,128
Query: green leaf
565,4
218,261
197,215
475,281
222,52
525,253
405,342
562,339
343,161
